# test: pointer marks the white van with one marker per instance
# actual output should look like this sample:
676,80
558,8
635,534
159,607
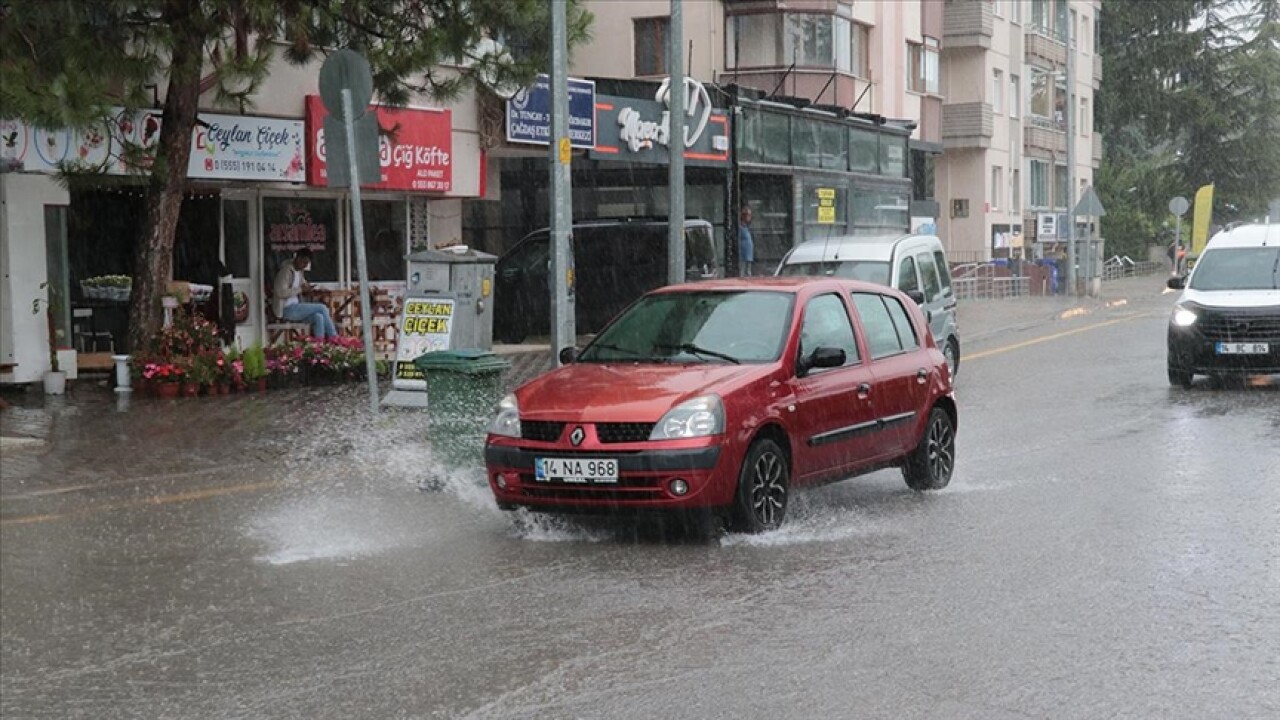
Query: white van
914,264
1227,320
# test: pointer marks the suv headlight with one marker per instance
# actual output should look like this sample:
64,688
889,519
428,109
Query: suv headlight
700,417
1183,316
507,421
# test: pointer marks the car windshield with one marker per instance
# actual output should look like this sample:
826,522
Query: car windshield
872,271
697,327
1254,268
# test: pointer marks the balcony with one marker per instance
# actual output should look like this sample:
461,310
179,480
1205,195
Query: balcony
967,125
1097,70
1036,135
1097,150
968,24
1044,50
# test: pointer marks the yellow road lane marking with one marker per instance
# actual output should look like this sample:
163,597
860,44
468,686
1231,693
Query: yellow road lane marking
142,502
1047,338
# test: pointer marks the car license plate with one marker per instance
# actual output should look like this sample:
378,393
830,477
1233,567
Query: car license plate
1243,348
576,470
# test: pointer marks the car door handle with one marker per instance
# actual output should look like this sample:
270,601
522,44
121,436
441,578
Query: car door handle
922,376
864,391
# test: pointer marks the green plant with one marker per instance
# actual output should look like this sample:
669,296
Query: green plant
255,363
53,306
204,369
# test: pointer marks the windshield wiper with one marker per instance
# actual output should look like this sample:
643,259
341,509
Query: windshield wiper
698,350
635,354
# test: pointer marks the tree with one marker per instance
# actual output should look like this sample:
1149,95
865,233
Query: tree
1191,96
65,63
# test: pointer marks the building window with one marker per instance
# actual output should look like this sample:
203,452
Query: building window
1086,35
997,6
1015,96
650,42
807,39
1085,118
1039,172
1075,30
922,66
1015,191
997,186
1048,99
1061,188
1017,11
864,151
997,90
893,156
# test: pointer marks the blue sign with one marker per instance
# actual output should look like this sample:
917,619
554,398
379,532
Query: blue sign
529,114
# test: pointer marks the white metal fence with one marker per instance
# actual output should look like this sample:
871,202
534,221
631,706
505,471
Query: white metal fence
1121,267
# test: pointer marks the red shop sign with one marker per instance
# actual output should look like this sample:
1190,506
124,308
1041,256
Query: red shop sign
421,159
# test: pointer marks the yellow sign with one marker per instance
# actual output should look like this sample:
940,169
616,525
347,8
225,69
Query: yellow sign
826,205
486,287
425,326
1201,219
566,151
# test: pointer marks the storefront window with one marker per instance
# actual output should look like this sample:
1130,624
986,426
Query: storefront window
235,237
771,201
893,156
806,145
864,151
765,137
879,211
826,208
385,247
291,224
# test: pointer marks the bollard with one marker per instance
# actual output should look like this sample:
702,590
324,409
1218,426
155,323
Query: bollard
123,384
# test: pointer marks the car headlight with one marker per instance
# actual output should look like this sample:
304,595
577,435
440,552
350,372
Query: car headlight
1183,317
507,421
699,417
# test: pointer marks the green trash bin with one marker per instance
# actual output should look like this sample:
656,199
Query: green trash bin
463,388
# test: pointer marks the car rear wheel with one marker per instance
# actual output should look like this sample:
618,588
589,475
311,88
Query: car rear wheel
952,353
763,488
930,465
1179,377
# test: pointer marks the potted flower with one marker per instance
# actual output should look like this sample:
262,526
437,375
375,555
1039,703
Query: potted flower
254,362
163,377
204,375
55,381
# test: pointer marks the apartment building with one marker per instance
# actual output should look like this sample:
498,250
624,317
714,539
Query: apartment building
1008,119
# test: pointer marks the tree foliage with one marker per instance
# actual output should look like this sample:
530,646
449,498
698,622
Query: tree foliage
66,63
1191,96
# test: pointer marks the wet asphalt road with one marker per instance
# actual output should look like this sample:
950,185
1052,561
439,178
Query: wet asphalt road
1109,547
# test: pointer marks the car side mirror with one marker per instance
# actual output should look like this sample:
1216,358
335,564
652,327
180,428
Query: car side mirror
916,296
1177,282
823,357
568,355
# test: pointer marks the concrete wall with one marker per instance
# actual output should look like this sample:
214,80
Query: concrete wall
23,335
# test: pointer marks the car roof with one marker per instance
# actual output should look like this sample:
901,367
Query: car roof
855,247
1253,235
778,283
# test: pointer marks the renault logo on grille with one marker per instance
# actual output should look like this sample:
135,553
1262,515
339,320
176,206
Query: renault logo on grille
576,437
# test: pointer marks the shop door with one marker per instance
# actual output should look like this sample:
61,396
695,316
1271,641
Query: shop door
242,254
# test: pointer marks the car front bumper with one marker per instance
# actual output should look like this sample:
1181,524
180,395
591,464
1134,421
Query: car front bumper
1190,350
645,478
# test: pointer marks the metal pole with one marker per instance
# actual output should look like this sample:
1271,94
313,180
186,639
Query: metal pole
1177,247
1072,280
362,265
675,176
563,332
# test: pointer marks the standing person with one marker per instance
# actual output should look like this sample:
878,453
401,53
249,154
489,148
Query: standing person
289,286
746,245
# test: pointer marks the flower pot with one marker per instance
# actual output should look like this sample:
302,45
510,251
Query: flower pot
55,383
262,385
190,390
165,390
224,389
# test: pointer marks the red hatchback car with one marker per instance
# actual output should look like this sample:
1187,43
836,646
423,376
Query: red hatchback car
725,396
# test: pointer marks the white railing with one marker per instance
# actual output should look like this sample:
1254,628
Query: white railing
1117,267
980,281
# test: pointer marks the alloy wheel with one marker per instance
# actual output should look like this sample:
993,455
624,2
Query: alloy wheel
768,489
941,448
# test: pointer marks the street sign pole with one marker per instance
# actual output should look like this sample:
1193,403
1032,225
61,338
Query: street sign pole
675,175
1178,206
560,152
362,264
1072,280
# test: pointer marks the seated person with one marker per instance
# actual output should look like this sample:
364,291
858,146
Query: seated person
289,286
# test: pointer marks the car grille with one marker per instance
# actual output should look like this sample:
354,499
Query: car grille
540,430
1240,325
627,488
623,432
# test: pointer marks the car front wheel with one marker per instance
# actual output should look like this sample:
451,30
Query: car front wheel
1179,377
763,486
929,466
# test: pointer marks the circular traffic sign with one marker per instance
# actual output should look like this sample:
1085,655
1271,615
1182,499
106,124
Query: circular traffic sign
1179,206
346,70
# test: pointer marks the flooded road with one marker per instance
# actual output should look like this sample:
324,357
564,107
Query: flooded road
1109,547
